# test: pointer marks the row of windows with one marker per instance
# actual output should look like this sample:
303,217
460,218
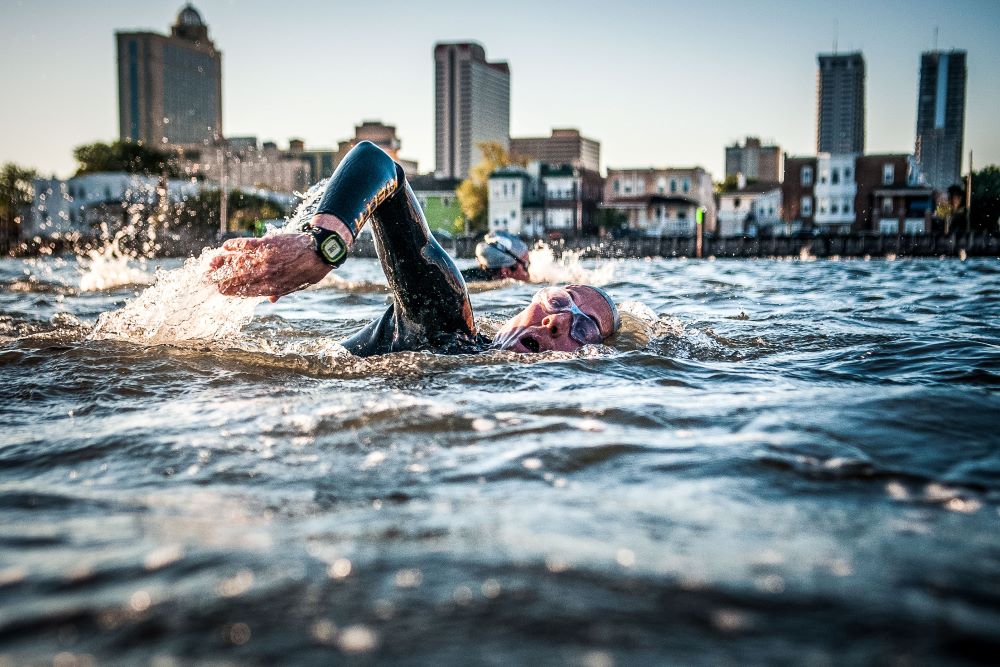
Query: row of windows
661,186
664,214
834,207
80,193
888,175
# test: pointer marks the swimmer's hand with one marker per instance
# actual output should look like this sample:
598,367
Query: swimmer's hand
271,266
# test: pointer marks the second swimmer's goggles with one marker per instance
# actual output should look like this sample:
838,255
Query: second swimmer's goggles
584,328
504,245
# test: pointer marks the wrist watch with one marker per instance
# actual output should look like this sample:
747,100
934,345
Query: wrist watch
328,244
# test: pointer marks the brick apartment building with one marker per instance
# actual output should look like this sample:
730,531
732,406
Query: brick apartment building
839,194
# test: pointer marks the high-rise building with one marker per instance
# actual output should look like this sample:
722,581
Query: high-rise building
840,103
471,106
755,161
170,87
941,117
565,146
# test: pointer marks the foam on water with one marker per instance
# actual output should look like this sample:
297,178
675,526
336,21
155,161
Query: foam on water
183,304
545,268
108,268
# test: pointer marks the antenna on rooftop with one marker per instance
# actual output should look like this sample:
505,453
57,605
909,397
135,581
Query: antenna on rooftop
936,28
836,34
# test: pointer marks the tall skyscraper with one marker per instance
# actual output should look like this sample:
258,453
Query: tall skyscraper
941,117
840,103
170,87
471,105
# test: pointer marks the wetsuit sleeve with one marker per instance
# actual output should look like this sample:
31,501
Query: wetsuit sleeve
430,301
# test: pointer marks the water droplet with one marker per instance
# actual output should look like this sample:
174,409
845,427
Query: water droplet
339,568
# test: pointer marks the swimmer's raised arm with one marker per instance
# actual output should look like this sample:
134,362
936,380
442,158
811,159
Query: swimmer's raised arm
277,265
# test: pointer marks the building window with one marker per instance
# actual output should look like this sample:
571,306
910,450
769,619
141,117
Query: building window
835,177
807,177
822,178
682,214
687,184
847,173
887,206
736,202
807,203
673,185
888,173
616,185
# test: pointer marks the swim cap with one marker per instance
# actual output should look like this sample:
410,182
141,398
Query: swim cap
611,304
501,249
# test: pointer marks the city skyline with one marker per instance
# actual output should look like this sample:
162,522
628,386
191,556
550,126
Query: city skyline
616,76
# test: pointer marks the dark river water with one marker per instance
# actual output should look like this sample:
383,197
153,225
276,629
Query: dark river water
801,465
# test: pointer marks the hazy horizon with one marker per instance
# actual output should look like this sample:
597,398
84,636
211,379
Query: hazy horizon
655,83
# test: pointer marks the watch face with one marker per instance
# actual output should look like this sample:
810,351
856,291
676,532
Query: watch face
333,249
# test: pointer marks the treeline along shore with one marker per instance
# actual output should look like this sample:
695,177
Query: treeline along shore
973,244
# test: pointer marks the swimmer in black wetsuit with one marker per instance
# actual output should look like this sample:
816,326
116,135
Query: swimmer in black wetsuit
501,256
430,307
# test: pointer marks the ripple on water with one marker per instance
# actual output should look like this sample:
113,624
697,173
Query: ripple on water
780,447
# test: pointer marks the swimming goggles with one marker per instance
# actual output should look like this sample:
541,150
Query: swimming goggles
504,246
584,328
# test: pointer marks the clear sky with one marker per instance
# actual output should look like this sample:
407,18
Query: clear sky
656,82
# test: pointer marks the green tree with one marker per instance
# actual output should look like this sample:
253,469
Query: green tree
730,184
611,220
127,156
16,196
472,193
986,198
247,210
244,209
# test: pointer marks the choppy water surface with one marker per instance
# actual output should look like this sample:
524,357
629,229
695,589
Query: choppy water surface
802,466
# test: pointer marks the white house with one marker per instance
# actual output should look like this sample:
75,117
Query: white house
506,192
834,193
544,199
82,203
753,211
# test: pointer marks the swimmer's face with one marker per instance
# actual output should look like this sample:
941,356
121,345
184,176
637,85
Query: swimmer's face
517,272
538,329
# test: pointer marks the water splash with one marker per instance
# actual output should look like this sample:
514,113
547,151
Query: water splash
545,268
183,304
108,267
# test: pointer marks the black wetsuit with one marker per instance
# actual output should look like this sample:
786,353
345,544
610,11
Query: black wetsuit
430,306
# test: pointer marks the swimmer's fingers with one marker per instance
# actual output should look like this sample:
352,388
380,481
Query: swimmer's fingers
242,244
238,275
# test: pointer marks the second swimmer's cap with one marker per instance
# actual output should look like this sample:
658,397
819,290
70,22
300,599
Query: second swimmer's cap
501,249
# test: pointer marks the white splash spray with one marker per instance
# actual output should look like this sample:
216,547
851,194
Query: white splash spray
545,268
183,304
